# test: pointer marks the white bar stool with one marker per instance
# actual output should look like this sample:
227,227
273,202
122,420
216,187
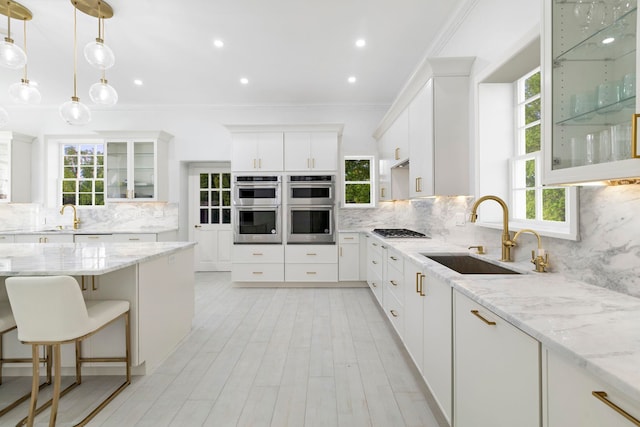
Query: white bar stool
50,310
8,324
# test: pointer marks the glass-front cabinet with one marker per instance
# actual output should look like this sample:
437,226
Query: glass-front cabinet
136,169
589,63
15,170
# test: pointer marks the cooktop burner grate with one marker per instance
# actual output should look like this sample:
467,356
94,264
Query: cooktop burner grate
398,233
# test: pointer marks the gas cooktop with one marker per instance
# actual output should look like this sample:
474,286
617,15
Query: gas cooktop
398,233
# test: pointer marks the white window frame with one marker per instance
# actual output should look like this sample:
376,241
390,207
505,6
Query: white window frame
371,182
61,155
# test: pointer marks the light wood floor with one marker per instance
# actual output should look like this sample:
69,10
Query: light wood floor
265,357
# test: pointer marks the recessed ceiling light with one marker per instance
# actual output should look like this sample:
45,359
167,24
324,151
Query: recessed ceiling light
137,82
244,81
352,79
608,40
361,43
218,43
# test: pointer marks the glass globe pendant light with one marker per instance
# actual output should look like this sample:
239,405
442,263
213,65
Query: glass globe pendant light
103,93
74,112
25,92
11,55
98,54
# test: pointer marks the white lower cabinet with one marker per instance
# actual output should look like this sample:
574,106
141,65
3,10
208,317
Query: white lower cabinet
437,338
348,257
413,312
568,393
258,263
311,263
43,238
496,370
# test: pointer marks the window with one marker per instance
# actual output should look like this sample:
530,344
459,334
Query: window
358,183
83,174
532,204
215,198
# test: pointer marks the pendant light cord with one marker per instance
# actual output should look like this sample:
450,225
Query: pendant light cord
25,79
8,38
75,51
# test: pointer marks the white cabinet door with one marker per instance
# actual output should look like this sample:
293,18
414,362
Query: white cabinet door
421,142
399,141
257,151
437,336
348,257
311,151
43,238
570,400
496,370
413,312
15,167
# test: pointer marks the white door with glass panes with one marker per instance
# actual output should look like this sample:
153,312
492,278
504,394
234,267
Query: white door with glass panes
210,218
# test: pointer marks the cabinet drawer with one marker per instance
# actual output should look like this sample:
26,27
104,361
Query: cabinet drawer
311,272
395,282
375,245
258,253
375,283
311,254
135,237
395,259
374,262
393,309
257,272
346,238
78,238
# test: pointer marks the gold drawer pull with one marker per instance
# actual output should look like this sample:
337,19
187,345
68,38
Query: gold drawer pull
134,238
393,282
393,313
311,272
93,283
422,276
257,272
418,283
478,315
345,238
257,254
373,262
383,247
602,396
374,244
311,254
374,285
393,258
93,237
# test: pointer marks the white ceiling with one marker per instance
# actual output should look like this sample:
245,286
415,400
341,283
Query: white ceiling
292,51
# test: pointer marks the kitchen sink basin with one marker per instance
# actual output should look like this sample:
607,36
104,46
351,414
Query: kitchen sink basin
465,264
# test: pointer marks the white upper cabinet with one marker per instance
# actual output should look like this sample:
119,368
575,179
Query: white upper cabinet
311,151
15,167
590,93
137,168
257,152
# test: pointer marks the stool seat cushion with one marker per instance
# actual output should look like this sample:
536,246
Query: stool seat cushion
52,309
7,322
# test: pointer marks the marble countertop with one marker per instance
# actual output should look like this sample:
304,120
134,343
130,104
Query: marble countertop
597,328
36,259
89,230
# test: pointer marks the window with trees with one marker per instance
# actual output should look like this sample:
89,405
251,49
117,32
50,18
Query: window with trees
547,206
82,174
358,181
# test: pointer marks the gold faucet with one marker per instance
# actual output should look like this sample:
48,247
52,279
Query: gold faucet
76,220
539,261
507,244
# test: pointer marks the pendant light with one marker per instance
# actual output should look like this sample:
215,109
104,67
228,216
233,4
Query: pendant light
12,56
98,54
25,92
102,92
74,112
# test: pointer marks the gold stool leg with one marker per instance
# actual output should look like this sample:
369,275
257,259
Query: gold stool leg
56,385
34,384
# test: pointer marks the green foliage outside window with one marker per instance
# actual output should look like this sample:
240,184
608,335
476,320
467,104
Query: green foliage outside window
357,178
83,174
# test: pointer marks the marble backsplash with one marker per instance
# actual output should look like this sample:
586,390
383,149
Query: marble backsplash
607,255
114,217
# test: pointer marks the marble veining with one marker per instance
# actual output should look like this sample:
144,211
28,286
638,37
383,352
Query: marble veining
28,259
595,327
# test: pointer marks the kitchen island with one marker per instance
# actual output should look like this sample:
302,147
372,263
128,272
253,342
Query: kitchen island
156,278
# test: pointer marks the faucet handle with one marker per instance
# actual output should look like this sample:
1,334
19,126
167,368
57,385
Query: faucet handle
540,262
480,249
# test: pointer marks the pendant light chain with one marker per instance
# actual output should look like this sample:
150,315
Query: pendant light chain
8,38
25,50
75,51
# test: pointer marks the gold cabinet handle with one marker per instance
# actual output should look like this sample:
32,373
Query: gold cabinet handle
82,285
418,282
479,316
396,153
257,254
393,313
393,258
422,276
382,192
257,272
345,238
373,262
383,247
393,282
311,254
419,185
374,285
93,283
133,238
602,396
311,272
197,226
374,244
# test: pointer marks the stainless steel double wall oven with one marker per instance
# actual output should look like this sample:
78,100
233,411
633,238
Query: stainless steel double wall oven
310,209
257,204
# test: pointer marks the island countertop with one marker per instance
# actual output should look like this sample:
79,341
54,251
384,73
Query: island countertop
79,259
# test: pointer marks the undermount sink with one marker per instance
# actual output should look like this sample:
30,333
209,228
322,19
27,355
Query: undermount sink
465,264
